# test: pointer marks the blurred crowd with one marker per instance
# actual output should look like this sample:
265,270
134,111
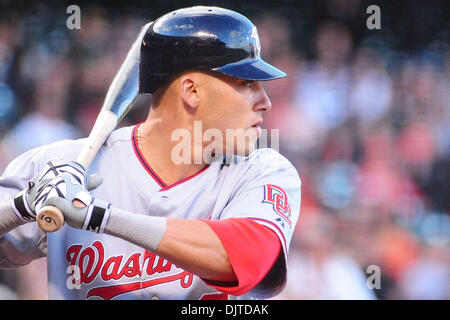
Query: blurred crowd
367,127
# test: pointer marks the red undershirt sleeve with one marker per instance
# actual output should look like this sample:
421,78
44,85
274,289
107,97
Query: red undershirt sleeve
252,250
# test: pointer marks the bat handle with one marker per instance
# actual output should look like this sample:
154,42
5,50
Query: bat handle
50,219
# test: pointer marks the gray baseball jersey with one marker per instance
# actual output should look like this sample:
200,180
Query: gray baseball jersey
264,187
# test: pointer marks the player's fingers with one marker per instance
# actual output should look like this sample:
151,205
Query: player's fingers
74,216
60,203
93,181
36,187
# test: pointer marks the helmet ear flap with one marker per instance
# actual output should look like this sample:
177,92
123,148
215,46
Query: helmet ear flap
148,84
149,81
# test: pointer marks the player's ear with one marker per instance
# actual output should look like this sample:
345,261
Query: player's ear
189,90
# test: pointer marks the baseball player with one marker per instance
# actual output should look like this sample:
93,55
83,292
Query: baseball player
141,224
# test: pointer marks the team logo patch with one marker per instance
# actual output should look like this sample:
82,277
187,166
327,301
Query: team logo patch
278,198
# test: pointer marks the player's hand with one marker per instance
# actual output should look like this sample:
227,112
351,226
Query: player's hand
76,171
79,208
56,167
24,202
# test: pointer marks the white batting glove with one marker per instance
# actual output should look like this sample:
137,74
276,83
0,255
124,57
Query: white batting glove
25,201
56,167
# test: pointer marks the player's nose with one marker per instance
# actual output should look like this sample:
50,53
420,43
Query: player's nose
263,102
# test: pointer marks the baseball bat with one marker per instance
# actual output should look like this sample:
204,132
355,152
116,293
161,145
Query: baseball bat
120,98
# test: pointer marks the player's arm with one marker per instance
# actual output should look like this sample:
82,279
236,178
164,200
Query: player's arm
20,244
232,255
19,210
194,246
190,244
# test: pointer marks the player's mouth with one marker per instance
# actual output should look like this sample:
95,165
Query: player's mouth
257,127
258,123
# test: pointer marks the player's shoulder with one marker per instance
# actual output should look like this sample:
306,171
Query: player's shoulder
269,159
35,158
75,145
268,154
123,134
67,148
265,161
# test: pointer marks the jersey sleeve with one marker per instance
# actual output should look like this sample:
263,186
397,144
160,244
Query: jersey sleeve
268,193
250,262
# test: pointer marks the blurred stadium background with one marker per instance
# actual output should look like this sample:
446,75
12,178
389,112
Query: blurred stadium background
364,116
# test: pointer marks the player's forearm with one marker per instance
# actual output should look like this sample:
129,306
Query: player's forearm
8,219
193,246
190,244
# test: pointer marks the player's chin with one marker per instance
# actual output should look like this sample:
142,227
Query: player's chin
241,143
250,148
245,148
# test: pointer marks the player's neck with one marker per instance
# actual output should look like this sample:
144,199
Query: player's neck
158,147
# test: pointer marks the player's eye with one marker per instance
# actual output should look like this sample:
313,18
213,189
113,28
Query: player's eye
248,83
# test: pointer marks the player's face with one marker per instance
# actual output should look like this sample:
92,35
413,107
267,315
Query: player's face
234,107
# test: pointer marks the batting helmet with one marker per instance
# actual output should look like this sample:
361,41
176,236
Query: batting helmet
201,37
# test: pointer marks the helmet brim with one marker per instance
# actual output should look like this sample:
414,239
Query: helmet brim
252,69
